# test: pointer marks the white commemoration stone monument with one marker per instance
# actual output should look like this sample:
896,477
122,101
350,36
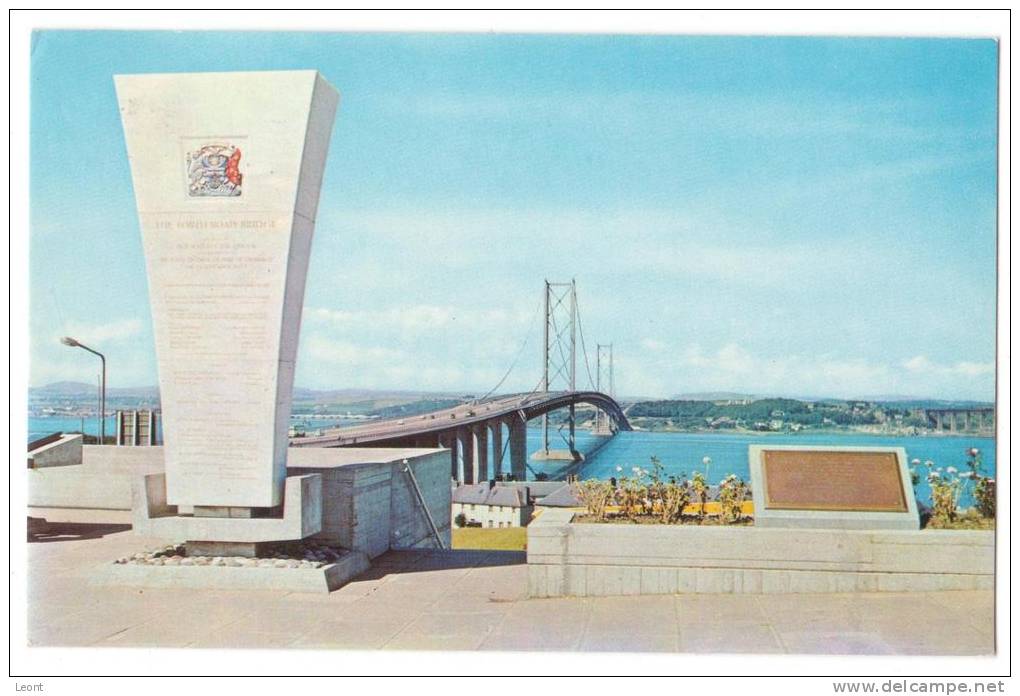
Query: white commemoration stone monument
227,169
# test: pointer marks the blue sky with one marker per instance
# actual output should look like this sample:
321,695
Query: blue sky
774,215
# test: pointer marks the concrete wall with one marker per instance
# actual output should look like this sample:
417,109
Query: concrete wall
372,506
409,527
101,481
566,559
65,451
368,503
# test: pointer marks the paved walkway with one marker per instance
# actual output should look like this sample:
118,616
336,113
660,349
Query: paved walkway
474,600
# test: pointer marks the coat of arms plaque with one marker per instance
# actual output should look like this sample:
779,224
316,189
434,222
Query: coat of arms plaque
214,170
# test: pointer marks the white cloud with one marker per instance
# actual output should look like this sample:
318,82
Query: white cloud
328,362
98,334
964,368
415,318
732,367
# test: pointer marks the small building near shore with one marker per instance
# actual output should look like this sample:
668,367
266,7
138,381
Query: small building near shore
491,506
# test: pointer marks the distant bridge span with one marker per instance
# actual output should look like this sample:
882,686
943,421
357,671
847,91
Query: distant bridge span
466,430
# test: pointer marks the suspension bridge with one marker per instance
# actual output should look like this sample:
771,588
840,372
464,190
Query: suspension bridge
487,437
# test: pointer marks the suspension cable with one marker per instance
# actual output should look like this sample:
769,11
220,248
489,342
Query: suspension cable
517,357
584,349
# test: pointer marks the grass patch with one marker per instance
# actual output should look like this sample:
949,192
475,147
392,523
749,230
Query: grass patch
506,539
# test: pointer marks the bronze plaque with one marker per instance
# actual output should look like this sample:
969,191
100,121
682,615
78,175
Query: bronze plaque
833,480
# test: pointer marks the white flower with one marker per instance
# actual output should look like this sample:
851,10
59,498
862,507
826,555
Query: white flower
967,474
636,469
706,461
915,462
929,463
619,468
951,469
934,475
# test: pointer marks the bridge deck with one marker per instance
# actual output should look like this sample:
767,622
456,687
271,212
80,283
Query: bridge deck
525,406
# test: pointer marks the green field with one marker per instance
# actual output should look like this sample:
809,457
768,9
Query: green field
506,539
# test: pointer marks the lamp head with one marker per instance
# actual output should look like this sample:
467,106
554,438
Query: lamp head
68,341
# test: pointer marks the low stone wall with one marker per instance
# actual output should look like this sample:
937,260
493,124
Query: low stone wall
592,560
100,480
368,503
63,451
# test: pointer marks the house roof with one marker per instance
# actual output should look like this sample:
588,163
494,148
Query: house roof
564,496
482,494
536,489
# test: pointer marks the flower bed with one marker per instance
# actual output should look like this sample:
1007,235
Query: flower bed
646,496
648,534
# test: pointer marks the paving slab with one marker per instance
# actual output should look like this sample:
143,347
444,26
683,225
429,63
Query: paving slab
728,637
428,600
835,643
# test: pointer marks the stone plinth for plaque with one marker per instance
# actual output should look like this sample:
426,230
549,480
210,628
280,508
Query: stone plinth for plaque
226,170
832,487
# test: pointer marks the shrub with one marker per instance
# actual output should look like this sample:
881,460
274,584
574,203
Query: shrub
732,494
631,495
945,493
699,487
674,497
984,497
596,496
984,487
460,520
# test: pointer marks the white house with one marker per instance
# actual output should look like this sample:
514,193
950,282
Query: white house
489,505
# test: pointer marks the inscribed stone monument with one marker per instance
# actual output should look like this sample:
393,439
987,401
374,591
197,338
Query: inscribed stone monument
226,169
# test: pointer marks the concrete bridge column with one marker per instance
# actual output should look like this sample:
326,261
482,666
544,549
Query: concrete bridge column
938,421
518,448
496,428
450,440
952,422
466,469
480,443
573,420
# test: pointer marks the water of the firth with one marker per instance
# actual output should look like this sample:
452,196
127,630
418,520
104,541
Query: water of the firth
682,453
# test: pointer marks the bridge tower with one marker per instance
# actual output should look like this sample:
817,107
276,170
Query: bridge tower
604,382
559,351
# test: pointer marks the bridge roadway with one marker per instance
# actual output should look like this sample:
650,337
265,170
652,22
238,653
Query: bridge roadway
467,429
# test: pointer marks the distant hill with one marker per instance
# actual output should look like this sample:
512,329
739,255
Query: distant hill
69,389
714,396
380,398
306,394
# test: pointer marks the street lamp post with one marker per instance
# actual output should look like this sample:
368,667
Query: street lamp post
68,341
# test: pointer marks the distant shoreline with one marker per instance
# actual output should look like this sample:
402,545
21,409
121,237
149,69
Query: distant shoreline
796,433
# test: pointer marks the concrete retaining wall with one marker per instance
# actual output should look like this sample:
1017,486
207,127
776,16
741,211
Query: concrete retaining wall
368,503
371,506
100,480
566,559
64,451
